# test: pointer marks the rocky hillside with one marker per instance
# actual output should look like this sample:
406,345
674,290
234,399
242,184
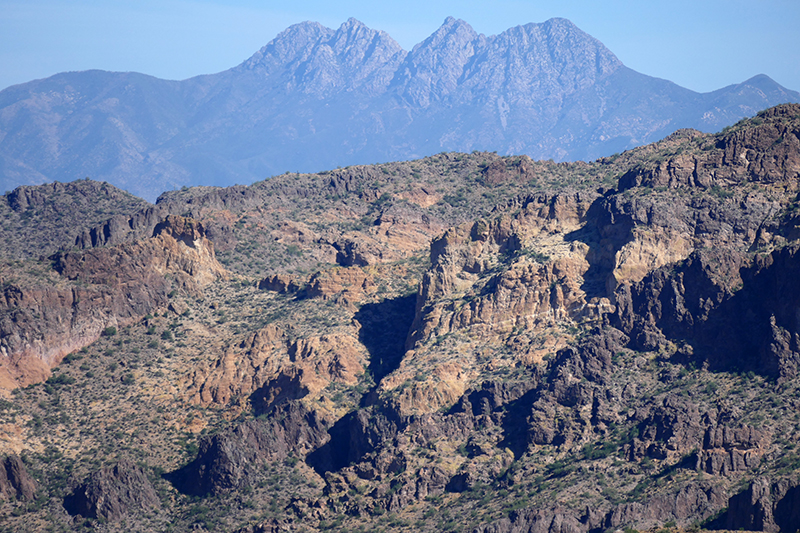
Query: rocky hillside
465,342
316,98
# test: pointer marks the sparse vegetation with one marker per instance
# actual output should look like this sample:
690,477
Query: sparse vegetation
450,389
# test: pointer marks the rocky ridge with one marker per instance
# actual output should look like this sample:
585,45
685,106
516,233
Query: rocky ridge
466,342
98,289
352,95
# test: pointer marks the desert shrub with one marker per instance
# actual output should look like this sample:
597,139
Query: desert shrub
60,379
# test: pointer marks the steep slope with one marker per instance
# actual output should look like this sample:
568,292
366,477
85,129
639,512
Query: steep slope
91,293
459,343
94,123
316,98
38,221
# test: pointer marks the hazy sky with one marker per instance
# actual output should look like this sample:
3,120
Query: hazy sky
700,44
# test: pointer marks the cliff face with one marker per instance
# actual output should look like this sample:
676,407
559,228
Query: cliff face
596,303
15,481
766,154
465,342
38,221
100,288
113,493
662,258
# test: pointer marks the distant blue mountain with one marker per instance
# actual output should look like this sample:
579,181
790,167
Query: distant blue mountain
316,98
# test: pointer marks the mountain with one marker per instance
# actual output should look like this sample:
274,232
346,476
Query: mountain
465,342
316,98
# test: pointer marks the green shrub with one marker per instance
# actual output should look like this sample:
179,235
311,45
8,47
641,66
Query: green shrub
60,379
71,357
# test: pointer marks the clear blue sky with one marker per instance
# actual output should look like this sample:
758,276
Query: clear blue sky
700,44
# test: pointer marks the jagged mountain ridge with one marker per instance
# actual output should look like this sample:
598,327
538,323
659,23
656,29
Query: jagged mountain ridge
316,98
466,342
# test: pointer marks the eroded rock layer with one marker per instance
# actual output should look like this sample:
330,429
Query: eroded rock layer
460,343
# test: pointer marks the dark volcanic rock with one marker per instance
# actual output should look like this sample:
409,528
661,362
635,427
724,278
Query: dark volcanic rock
121,228
592,359
40,220
765,505
767,153
537,521
691,503
15,482
113,493
694,502
233,459
576,379
727,450
671,429
730,330
354,436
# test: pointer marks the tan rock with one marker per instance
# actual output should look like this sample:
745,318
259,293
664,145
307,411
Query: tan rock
114,287
423,196
350,285
269,362
650,249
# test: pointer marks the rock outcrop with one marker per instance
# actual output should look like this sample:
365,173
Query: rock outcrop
113,493
41,220
766,505
491,278
690,504
269,367
714,292
727,449
100,287
15,481
235,458
766,154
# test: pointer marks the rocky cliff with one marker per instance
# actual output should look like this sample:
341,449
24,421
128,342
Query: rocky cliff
112,493
459,343
15,481
99,289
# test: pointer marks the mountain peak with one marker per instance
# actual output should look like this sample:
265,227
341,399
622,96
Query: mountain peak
317,97
454,27
561,48
452,22
353,24
288,44
353,30
433,67
761,80
560,22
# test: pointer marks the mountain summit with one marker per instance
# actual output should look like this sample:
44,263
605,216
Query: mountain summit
316,98
314,60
